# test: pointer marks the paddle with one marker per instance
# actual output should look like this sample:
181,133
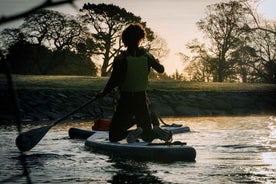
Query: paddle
156,117
27,140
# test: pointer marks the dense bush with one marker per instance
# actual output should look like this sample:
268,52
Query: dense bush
27,58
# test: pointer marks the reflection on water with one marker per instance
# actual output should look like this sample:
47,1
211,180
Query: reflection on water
229,150
130,171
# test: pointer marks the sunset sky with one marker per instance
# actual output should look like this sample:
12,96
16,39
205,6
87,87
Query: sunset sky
173,20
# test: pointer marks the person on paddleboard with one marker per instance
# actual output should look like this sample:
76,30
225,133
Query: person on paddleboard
130,75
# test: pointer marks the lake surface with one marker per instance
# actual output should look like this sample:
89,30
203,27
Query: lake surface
229,150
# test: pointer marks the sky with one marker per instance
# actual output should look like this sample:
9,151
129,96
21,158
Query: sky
173,20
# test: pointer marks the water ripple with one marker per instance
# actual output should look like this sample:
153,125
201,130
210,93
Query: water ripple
229,150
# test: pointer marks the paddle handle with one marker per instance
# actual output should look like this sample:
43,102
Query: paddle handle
69,114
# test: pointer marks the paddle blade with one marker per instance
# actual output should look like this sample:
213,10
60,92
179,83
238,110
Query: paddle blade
27,140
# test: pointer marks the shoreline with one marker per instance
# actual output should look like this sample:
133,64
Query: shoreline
47,105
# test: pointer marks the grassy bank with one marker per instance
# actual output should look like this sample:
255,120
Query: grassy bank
97,83
48,97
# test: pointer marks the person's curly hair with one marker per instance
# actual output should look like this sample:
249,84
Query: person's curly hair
133,35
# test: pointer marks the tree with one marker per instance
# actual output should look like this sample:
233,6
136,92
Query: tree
178,76
251,7
67,62
223,26
68,33
242,44
244,57
265,49
22,57
200,67
87,47
52,27
264,44
158,47
107,22
9,37
37,26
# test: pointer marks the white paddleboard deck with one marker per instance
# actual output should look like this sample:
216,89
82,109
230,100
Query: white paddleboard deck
176,129
99,142
84,134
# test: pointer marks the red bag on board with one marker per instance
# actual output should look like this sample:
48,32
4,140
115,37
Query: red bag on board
101,124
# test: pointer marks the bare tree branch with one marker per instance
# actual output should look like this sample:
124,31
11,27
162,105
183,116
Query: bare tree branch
252,11
47,3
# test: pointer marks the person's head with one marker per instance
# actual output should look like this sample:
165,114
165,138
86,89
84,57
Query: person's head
133,35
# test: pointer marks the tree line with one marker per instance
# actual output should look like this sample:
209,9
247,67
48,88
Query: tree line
242,45
239,45
50,42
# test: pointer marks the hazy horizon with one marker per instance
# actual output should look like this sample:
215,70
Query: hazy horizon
173,20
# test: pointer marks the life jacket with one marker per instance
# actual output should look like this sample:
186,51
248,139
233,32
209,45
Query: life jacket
136,77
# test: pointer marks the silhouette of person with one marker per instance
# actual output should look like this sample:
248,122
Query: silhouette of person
130,74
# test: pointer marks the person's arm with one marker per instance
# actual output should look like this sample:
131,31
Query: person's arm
115,77
154,63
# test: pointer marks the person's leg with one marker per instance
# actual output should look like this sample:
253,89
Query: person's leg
143,117
121,121
144,121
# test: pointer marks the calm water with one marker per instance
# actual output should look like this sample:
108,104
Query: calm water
229,150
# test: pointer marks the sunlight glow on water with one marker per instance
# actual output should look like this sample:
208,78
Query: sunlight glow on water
229,150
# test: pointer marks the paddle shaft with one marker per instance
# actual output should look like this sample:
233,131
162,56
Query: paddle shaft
162,121
27,140
69,114
157,115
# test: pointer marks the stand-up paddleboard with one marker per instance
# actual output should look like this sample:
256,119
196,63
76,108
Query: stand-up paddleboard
76,133
162,152
176,129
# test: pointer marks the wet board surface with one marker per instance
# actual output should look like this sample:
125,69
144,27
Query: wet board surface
161,152
77,133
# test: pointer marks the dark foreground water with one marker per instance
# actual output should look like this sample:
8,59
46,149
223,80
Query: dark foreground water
229,150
